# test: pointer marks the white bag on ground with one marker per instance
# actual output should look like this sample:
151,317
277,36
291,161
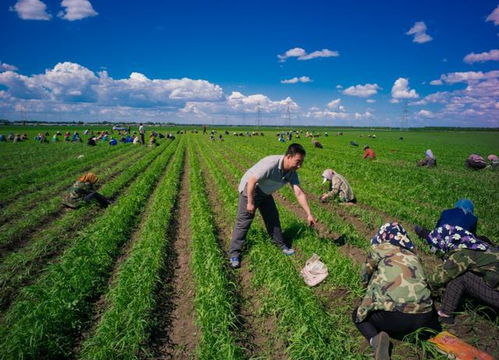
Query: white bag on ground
314,271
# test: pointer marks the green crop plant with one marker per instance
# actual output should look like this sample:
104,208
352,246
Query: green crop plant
124,326
47,315
23,265
214,300
310,332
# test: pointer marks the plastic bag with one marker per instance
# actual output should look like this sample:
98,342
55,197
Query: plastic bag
456,348
314,271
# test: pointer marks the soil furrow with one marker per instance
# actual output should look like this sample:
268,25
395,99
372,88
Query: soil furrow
176,335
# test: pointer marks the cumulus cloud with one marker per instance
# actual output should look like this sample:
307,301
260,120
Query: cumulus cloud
494,16
70,82
419,32
370,101
341,115
425,113
7,67
465,77
259,102
302,79
400,90
31,10
301,54
334,104
485,56
362,90
76,10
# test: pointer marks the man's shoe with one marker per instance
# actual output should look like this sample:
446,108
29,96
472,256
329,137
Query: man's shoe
381,346
235,262
288,251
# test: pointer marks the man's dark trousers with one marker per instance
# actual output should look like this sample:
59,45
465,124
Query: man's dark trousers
266,204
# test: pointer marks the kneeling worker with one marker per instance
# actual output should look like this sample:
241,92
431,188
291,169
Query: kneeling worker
336,187
83,191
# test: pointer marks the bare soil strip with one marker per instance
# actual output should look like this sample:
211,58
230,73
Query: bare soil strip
255,330
176,334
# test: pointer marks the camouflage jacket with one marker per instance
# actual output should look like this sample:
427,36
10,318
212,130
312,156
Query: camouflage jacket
340,187
77,192
483,263
395,282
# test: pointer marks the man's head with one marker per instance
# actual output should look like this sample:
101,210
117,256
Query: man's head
293,159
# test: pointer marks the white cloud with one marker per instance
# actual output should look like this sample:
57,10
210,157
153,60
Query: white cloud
494,16
485,56
31,10
252,103
400,90
301,54
362,90
425,113
334,103
76,10
419,32
371,101
339,86
70,82
302,79
7,67
466,77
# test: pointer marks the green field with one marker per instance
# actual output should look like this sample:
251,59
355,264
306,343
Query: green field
147,277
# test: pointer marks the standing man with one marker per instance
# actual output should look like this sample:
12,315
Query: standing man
255,192
142,132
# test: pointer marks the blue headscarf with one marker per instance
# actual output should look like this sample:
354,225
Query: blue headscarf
395,234
465,205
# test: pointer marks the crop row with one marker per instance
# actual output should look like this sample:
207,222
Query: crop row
12,232
125,324
48,315
54,170
309,330
28,201
214,300
23,265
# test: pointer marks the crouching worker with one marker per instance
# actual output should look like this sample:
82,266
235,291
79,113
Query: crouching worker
398,300
336,186
470,266
429,160
83,191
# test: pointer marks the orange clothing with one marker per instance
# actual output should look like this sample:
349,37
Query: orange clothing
369,153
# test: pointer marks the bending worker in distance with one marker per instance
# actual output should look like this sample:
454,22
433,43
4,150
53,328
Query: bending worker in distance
336,187
83,191
255,192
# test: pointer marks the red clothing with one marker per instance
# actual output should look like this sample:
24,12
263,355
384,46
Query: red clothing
369,153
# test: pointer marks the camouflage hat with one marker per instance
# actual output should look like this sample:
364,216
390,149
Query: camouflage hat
393,233
448,237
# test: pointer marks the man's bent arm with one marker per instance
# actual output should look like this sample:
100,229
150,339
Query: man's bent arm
302,200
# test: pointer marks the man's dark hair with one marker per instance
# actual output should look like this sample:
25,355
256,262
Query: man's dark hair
294,149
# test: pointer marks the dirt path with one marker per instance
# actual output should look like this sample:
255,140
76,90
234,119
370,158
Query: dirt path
176,336
254,330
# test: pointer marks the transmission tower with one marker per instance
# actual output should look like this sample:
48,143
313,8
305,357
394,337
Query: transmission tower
259,116
288,118
405,117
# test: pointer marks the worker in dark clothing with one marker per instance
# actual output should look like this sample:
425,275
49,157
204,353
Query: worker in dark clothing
461,215
83,191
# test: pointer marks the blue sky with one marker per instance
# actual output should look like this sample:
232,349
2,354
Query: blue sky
323,62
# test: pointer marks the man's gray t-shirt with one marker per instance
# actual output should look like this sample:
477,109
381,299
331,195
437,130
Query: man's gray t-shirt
270,175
